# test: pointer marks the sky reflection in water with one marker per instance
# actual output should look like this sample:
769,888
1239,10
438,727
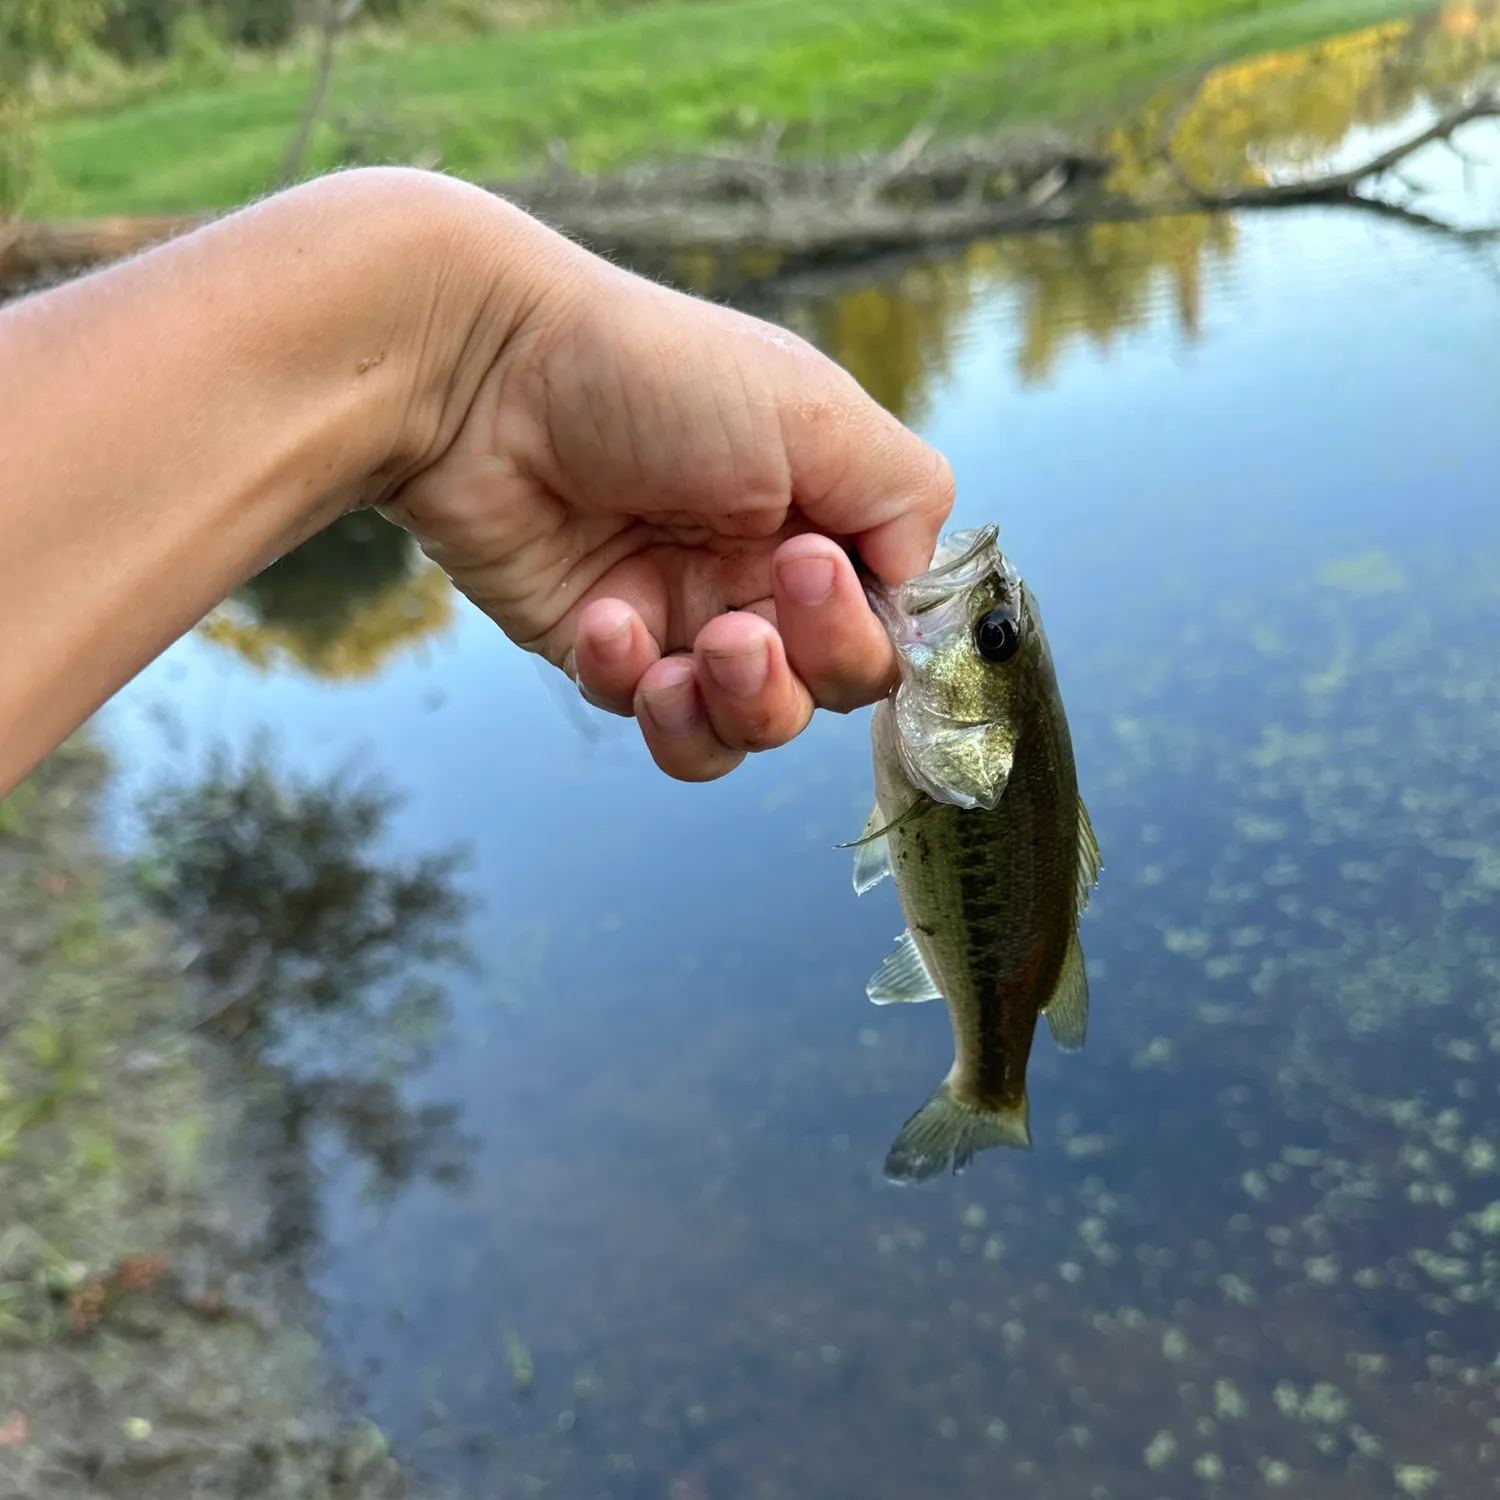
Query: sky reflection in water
1257,1246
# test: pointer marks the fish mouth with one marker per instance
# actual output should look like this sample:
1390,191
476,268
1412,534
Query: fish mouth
961,560
916,612
916,616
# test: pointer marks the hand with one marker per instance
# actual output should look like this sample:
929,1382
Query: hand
651,491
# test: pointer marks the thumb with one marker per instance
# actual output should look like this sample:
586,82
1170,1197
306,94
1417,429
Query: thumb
859,473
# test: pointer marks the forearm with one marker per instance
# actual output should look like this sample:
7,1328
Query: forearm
172,425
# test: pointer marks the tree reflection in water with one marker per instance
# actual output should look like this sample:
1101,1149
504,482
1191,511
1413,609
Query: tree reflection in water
1241,125
340,605
319,961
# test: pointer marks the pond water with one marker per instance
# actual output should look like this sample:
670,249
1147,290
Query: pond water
1249,469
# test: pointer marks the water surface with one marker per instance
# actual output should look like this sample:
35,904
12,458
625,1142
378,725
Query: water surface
1248,467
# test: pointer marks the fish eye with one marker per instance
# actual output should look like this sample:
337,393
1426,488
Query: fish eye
996,637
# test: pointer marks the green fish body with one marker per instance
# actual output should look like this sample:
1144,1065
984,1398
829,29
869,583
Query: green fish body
978,821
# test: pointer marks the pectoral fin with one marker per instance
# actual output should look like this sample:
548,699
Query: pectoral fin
871,835
903,977
1067,1012
1089,862
872,859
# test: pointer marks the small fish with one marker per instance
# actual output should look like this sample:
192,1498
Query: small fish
977,818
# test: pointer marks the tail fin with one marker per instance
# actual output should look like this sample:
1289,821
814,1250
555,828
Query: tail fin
947,1131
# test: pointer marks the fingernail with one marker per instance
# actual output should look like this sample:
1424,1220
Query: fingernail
807,580
742,674
611,644
672,706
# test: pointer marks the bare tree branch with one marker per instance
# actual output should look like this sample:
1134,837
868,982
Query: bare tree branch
902,158
1336,186
335,16
1400,213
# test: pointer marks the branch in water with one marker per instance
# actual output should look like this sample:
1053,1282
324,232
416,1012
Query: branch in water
823,212
1340,187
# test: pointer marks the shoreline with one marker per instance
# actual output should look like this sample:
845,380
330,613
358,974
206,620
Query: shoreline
150,1347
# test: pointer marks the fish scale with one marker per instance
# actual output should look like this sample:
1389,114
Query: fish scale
977,819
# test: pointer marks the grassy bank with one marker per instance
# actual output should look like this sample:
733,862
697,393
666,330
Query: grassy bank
833,74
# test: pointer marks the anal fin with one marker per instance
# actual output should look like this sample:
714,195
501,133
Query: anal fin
1067,1012
903,977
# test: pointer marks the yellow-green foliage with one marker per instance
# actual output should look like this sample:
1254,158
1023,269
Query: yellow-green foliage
35,32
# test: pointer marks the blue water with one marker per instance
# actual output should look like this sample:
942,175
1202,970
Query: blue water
678,1098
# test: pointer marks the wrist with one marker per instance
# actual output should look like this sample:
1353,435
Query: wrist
477,279
388,295
175,423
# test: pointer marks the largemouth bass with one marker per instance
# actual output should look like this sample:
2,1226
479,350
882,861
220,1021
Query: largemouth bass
977,818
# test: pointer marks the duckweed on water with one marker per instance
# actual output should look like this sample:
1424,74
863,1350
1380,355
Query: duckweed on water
1229,1404
1209,1467
1275,1473
1323,1270
1237,1289
1325,1403
522,1371
1416,1480
1161,1450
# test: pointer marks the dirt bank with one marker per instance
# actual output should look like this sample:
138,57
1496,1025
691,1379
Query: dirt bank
147,1347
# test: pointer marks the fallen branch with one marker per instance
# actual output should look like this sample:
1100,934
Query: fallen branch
39,252
816,212
710,203
1341,187
913,172
1401,213
902,159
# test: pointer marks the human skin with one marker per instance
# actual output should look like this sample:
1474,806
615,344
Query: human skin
657,494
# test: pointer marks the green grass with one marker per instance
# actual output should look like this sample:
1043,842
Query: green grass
836,74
